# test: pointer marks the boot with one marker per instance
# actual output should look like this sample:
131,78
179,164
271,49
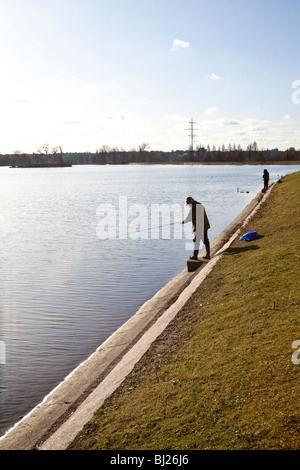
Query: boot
207,256
195,255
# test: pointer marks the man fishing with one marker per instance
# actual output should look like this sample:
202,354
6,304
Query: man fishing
266,177
200,223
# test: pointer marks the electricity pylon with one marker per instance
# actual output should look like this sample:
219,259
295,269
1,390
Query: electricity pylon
192,135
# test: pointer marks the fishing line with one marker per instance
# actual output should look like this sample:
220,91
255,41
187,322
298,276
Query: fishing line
158,226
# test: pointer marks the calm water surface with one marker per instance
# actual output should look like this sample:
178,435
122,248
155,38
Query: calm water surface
63,291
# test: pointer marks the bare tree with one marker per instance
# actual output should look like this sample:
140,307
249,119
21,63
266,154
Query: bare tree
46,148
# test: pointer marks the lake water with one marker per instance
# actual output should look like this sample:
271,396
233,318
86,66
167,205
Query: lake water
64,289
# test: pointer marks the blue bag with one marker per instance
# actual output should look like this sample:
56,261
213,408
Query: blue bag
250,236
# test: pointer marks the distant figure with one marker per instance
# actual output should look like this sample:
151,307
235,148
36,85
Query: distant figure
200,223
266,177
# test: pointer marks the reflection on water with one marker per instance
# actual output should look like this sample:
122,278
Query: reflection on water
63,291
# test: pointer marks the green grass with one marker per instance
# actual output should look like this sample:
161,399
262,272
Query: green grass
221,375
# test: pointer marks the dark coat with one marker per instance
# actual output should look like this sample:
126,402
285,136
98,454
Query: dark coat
192,217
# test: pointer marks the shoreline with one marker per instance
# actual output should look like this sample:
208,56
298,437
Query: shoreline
267,163
224,374
40,428
201,163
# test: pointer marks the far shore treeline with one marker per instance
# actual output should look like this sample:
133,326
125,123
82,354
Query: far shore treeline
114,155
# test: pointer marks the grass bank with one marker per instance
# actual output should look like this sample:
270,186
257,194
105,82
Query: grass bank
221,376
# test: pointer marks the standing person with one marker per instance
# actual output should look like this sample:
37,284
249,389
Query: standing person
197,215
266,177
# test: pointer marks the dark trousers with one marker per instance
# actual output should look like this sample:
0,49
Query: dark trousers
205,241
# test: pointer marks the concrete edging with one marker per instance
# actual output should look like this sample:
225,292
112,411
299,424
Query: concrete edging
57,420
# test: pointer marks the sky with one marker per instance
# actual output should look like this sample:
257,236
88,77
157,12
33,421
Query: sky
82,74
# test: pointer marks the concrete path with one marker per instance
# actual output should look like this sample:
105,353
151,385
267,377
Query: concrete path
55,423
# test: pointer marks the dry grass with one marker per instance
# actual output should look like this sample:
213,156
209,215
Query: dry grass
221,375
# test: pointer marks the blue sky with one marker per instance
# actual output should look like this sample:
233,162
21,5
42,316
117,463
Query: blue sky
86,73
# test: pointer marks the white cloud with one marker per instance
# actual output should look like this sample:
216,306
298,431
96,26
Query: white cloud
118,117
213,76
21,101
175,117
267,133
72,122
39,44
231,122
211,111
287,117
97,87
94,87
178,44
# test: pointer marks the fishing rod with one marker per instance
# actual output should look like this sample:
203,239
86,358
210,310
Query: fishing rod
159,226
